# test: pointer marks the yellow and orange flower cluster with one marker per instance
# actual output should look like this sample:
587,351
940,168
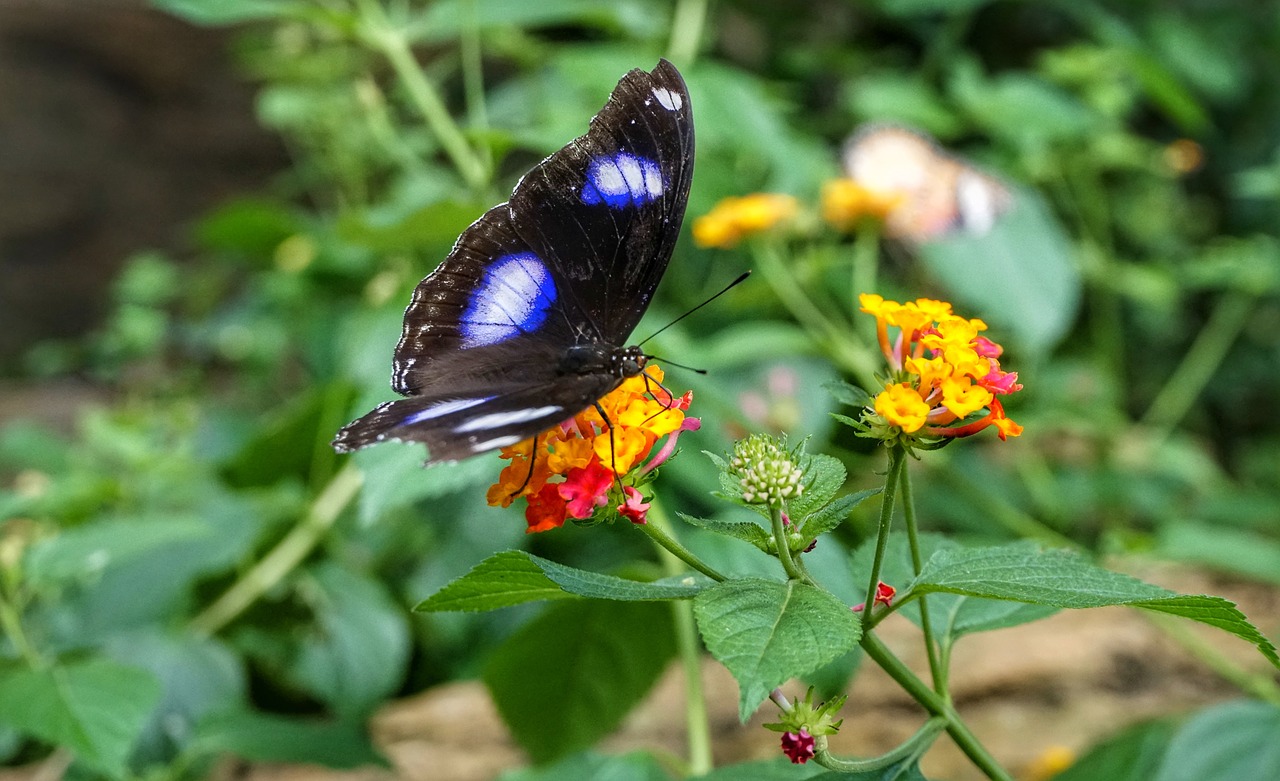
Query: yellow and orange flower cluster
578,464
733,219
845,204
943,371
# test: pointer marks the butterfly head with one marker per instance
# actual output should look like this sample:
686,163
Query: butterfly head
596,358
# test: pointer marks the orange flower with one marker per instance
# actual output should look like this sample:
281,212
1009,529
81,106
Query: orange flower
845,204
578,464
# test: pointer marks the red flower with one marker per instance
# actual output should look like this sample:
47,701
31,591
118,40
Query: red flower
798,746
633,509
585,488
884,595
546,509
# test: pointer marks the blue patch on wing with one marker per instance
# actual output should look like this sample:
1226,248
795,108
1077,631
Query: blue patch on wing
513,297
622,180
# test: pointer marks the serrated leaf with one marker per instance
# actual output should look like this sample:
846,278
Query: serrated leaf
845,393
766,632
824,477
834,514
95,708
1022,572
742,530
270,738
1229,742
567,678
514,577
954,615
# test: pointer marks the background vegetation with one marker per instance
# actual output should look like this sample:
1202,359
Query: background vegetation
196,568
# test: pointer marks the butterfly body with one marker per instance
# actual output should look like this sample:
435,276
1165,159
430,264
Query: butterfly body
521,326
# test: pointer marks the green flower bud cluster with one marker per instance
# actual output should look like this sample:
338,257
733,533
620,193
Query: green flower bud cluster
767,472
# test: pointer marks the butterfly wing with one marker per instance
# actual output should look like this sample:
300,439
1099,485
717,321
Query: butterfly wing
573,258
605,211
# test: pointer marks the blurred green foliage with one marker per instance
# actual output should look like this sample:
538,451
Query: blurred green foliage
195,571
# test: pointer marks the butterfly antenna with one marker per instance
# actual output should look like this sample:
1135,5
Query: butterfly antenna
677,365
727,288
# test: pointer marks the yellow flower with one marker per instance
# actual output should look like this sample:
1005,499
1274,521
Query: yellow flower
942,371
902,406
733,219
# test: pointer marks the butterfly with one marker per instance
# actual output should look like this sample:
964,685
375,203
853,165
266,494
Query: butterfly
520,326
941,195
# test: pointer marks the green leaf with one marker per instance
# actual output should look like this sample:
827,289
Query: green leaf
589,766
848,394
86,551
742,530
514,577
764,770
1024,573
1021,274
96,709
834,514
269,738
1132,755
900,771
567,678
1234,550
357,651
824,477
767,632
1229,742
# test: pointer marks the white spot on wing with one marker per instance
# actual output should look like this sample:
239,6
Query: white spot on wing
500,419
443,408
623,180
514,296
490,444
671,101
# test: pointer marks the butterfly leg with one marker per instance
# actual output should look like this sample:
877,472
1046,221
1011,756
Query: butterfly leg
533,460
613,462
667,405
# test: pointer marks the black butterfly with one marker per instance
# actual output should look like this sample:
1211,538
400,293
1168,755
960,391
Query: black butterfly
519,328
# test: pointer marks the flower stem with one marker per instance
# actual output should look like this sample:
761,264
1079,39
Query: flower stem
784,548
897,457
936,705
656,529
391,42
866,259
697,721
936,671
913,746
285,556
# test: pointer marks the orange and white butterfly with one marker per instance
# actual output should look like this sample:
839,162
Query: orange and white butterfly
939,195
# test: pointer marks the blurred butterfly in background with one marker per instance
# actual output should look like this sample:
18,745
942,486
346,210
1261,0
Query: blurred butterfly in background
521,325
940,195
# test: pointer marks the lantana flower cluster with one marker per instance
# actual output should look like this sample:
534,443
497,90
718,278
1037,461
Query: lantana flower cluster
942,371
578,464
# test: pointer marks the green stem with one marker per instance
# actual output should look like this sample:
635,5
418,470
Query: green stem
285,556
936,670
1204,357
697,720
686,31
11,622
784,548
897,458
391,42
935,704
840,341
473,79
656,530
913,746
